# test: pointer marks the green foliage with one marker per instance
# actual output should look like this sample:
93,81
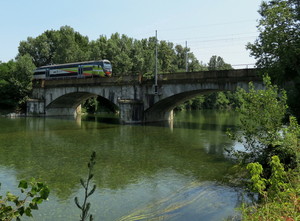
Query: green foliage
262,113
91,105
215,100
128,55
217,63
56,46
15,81
222,100
277,183
271,153
258,183
85,207
280,201
278,179
13,207
277,48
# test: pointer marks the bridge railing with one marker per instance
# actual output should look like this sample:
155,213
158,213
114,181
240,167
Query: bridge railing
206,75
228,75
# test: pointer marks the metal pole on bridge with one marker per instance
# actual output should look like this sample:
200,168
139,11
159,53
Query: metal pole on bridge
155,83
186,57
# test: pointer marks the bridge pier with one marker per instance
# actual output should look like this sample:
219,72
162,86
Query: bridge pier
35,107
131,111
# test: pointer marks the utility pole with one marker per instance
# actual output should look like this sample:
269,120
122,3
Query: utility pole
156,68
186,57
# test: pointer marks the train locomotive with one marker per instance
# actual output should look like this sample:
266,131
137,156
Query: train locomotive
84,69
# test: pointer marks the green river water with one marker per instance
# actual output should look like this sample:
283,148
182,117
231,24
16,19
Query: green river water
143,172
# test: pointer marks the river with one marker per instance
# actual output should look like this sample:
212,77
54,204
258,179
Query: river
143,172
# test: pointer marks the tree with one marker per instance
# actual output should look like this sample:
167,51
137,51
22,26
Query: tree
261,129
118,52
148,47
98,48
217,63
54,47
278,44
166,57
194,64
38,48
222,101
15,81
277,47
271,153
71,46
137,57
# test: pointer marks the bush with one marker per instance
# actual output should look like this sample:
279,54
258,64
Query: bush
34,193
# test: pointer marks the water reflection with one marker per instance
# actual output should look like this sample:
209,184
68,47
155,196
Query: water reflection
137,166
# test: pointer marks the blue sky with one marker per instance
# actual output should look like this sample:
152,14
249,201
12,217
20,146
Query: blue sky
219,27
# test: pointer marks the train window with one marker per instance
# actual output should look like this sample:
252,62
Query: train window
107,65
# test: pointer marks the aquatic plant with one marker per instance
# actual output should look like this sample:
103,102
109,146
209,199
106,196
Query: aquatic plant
85,207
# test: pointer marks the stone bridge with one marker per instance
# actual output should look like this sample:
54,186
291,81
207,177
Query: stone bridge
138,99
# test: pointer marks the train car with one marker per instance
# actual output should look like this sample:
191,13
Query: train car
100,68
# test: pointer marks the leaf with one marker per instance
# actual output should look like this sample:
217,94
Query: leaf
33,206
82,183
77,203
44,193
10,197
37,200
28,212
18,202
92,191
23,184
21,210
40,185
88,206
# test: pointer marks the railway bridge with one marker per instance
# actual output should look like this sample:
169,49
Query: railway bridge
139,100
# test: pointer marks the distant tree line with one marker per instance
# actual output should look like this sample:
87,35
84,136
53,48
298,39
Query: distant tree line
128,55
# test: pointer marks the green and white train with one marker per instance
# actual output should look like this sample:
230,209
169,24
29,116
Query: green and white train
83,69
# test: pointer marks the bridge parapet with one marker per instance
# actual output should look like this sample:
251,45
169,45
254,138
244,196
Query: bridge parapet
111,81
228,75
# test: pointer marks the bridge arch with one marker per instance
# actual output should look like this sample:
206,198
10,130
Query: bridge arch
70,103
163,109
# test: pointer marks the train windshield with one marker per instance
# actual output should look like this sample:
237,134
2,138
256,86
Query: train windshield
107,65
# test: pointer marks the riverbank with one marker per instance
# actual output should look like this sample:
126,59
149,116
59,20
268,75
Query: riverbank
12,113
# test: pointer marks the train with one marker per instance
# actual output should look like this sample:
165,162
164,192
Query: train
101,68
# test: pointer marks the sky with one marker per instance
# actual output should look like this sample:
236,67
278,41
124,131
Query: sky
210,27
